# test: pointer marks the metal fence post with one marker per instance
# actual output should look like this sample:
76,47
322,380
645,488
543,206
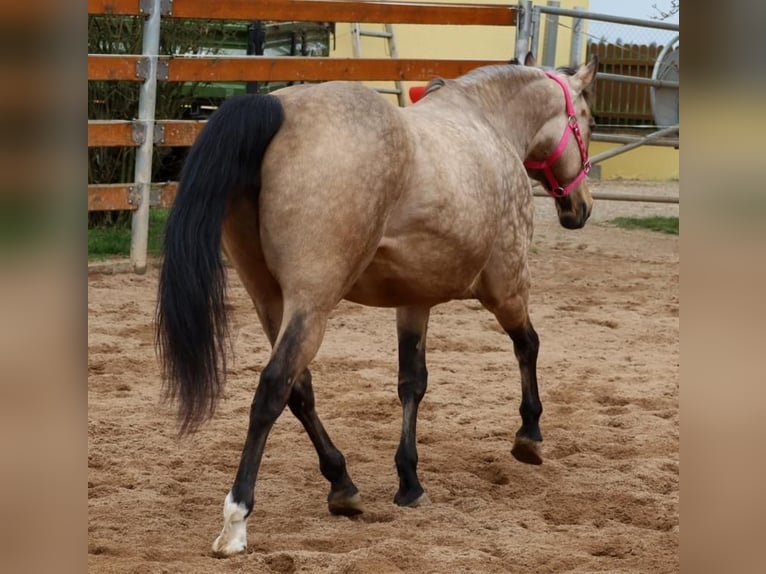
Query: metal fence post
139,230
536,17
550,37
256,42
523,30
575,50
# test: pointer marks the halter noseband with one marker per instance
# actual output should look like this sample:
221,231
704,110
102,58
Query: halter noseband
558,190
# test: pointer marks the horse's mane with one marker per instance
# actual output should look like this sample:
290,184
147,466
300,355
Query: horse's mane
499,71
479,79
500,80
491,72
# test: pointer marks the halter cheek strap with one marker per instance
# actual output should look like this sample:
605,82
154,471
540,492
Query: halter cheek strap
557,190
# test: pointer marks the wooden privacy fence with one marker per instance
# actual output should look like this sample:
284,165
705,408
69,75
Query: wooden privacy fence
621,103
145,132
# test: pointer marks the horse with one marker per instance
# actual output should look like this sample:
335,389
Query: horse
325,192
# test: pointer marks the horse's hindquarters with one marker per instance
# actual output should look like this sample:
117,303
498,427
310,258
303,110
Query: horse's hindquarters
329,181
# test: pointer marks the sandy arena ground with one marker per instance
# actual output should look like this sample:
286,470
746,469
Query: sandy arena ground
605,304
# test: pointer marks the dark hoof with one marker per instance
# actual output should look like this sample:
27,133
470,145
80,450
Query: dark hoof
414,498
527,450
344,504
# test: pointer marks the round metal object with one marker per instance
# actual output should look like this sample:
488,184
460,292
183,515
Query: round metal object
665,100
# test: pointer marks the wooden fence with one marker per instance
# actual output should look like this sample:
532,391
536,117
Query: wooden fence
150,67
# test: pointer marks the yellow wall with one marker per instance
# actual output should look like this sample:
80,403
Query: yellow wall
645,162
498,43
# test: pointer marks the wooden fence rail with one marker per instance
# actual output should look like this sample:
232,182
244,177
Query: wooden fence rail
125,196
270,69
370,11
167,133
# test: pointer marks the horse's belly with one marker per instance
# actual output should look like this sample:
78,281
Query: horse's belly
401,281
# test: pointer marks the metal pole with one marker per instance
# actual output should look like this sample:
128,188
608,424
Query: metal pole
627,147
575,50
551,33
623,139
139,229
535,43
621,197
523,30
638,80
660,25
356,43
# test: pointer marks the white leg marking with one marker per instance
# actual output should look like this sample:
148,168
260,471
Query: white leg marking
233,537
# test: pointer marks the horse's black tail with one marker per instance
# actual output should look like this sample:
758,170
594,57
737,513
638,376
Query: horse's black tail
191,328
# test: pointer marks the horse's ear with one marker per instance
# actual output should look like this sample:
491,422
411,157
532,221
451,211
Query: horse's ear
434,85
584,77
529,60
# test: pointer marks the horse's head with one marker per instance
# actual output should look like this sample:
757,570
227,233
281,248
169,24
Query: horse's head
557,156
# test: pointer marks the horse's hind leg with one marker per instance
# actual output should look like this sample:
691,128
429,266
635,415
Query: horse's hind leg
267,405
267,297
412,324
344,497
511,312
298,342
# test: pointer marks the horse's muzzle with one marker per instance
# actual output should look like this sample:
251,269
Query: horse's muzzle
572,216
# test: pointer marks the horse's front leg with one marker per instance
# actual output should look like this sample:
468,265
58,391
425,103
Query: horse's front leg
411,326
526,445
513,316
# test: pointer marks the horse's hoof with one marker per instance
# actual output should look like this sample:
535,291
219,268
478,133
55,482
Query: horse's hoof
412,501
421,500
343,505
527,450
233,537
223,548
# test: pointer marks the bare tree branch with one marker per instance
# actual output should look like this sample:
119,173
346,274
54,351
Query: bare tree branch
665,14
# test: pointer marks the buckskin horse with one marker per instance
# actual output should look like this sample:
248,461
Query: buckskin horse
319,193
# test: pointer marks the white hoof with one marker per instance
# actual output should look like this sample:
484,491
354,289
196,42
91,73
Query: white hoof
233,537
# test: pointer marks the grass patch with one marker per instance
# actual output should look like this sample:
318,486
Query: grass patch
114,240
662,224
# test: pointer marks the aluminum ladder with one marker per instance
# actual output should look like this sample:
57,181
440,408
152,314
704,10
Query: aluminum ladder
388,35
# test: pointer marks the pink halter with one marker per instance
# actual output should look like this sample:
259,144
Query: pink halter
558,190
